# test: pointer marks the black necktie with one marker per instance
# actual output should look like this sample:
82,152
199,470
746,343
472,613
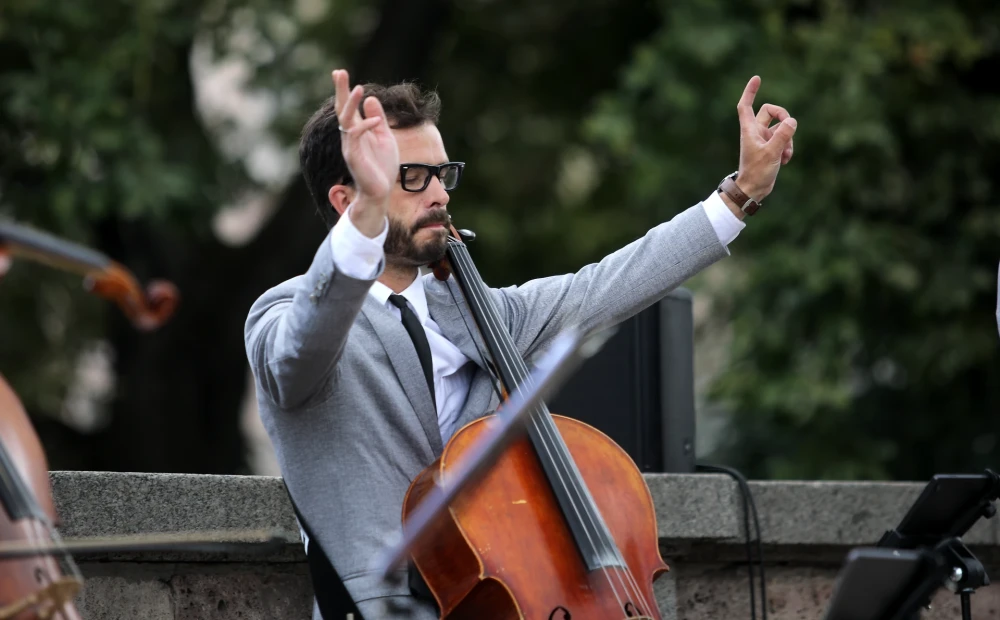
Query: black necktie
416,331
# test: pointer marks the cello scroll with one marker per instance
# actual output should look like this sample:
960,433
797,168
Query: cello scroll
146,309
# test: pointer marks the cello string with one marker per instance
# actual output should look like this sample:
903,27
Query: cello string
595,516
507,355
495,381
67,556
479,294
489,320
492,327
43,528
552,443
550,437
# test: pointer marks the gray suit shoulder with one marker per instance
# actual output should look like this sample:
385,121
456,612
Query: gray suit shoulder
296,331
283,292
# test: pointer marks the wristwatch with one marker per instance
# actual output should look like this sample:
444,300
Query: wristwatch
728,186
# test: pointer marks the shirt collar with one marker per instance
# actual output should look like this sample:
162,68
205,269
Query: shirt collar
414,294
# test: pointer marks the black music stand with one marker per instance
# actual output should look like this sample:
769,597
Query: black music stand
886,584
947,508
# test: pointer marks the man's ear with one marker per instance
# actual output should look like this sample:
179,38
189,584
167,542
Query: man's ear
340,197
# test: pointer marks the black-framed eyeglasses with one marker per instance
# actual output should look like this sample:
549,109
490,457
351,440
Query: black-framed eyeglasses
416,177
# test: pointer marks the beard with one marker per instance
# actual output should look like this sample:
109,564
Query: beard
402,249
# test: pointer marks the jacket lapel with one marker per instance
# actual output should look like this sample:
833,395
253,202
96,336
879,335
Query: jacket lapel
455,321
482,400
399,347
451,318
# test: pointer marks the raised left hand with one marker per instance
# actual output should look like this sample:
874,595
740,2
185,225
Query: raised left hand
763,148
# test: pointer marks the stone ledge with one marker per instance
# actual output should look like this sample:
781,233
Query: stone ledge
166,591
807,529
102,504
692,509
709,508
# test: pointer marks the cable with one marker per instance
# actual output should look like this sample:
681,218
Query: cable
747,498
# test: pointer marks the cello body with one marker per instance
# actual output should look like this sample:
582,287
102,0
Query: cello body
561,527
33,587
504,550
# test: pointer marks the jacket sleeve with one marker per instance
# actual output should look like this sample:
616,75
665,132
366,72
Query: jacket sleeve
619,286
296,332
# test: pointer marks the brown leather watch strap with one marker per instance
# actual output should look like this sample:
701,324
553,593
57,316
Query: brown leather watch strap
747,204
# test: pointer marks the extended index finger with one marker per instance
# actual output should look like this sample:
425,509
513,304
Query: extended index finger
745,107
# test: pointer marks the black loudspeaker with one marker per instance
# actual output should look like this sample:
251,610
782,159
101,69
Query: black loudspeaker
639,389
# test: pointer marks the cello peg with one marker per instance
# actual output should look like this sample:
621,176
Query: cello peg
467,235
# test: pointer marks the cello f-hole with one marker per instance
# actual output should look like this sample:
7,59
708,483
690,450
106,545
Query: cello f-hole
565,614
631,611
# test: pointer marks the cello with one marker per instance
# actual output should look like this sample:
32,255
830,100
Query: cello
41,581
34,585
561,526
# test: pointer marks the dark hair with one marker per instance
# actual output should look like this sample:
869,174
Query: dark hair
320,158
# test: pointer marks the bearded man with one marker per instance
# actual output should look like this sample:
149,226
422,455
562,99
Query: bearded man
365,368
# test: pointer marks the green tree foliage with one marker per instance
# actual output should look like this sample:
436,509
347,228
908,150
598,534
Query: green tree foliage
859,301
516,79
90,133
861,298
102,141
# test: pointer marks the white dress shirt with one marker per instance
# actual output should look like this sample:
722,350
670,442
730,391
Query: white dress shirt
359,256
452,370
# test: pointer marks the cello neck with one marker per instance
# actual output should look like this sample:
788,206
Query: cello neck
48,249
509,364
590,532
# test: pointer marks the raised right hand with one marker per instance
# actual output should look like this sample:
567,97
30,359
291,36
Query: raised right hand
367,143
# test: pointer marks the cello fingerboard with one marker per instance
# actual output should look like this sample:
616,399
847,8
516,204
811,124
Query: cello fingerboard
590,532
35,242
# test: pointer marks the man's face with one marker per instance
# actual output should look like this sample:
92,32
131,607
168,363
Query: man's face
418,221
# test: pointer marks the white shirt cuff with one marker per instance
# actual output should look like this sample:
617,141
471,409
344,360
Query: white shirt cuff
354,254
727,226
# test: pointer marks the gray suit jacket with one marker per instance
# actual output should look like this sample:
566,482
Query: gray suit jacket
343,398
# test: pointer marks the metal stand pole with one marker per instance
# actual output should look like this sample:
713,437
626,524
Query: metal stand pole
966,604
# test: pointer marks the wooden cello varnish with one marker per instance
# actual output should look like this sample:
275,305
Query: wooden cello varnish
562,526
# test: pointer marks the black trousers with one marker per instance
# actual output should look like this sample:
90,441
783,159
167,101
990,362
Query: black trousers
332,597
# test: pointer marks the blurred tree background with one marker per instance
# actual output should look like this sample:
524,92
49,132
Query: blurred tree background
854,318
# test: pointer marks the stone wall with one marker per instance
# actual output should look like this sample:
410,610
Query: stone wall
807,528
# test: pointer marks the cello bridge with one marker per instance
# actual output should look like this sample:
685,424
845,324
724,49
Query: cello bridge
46,601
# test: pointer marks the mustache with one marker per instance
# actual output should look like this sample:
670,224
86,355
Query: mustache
437,216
